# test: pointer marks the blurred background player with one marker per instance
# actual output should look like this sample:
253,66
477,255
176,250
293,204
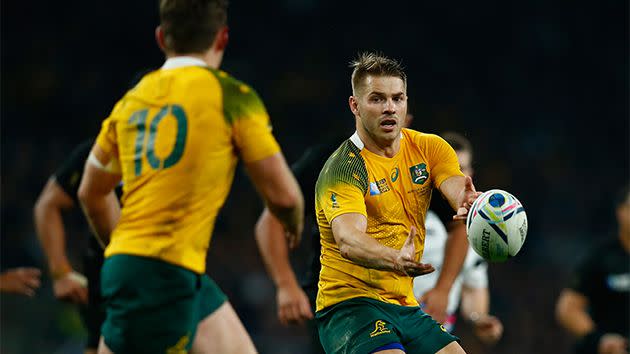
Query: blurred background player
295,299
60,194
440,293
21,281
175,138
595,307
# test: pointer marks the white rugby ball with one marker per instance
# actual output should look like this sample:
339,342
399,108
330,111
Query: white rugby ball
496,225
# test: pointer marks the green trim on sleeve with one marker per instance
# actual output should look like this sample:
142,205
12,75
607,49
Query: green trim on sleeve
240,101
345,165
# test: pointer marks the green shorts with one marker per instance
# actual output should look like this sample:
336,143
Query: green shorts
153,306
361,325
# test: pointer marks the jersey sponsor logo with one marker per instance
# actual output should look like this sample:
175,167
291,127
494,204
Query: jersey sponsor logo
619,282
394,174
380,327
379,187
419,173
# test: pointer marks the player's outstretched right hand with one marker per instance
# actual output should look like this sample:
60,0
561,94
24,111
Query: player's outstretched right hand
406,261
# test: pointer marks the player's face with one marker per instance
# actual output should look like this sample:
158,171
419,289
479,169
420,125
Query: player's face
380,106
465,162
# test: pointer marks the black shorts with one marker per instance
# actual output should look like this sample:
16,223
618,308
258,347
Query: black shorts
93,314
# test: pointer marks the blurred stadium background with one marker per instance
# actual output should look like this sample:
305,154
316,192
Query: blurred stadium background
539,87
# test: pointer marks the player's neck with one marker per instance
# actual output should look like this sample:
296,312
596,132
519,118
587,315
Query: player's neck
211,58
387,148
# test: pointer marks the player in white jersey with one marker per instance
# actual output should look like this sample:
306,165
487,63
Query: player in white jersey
469,289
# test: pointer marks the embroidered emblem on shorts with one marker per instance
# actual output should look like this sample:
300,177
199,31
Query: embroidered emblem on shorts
180,347
442,328
419,173
379,328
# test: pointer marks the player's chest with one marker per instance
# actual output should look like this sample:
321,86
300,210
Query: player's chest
404,181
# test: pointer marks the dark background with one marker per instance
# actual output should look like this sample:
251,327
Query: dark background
540,88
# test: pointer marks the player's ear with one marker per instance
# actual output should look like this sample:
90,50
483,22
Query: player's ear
159,38
354,107
222,39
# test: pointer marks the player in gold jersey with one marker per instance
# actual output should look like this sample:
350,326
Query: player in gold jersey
173,140
371,198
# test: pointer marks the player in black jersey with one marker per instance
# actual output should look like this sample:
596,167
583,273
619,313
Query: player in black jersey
595,307
296,301
60,193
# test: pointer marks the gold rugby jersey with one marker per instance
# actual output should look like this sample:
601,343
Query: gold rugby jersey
394,194
177,135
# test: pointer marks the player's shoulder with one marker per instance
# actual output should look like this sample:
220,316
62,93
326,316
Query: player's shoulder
346,164
231,86
240,100
421,138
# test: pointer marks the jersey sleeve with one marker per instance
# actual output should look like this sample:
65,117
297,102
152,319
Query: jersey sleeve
477,275
251,127
442,159
306,169
342,184
68,175
107,138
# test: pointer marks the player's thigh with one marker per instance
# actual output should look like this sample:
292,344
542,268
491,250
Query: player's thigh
420,333
222,332
452,348
390,351
356,326
151,305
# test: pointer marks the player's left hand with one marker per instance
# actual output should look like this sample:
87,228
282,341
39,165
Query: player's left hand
488,329
293,305
435,302
467,198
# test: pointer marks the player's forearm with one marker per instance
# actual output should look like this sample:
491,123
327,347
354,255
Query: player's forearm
366,251
274,250
475,302
455,252
50,231
453,189
291,217
102,213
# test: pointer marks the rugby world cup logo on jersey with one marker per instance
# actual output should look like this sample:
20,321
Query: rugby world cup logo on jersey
419,173
379,187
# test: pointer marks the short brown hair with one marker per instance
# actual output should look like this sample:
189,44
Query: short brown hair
190,26
376,64
458,142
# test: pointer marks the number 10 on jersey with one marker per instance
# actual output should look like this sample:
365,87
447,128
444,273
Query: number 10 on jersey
145,143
